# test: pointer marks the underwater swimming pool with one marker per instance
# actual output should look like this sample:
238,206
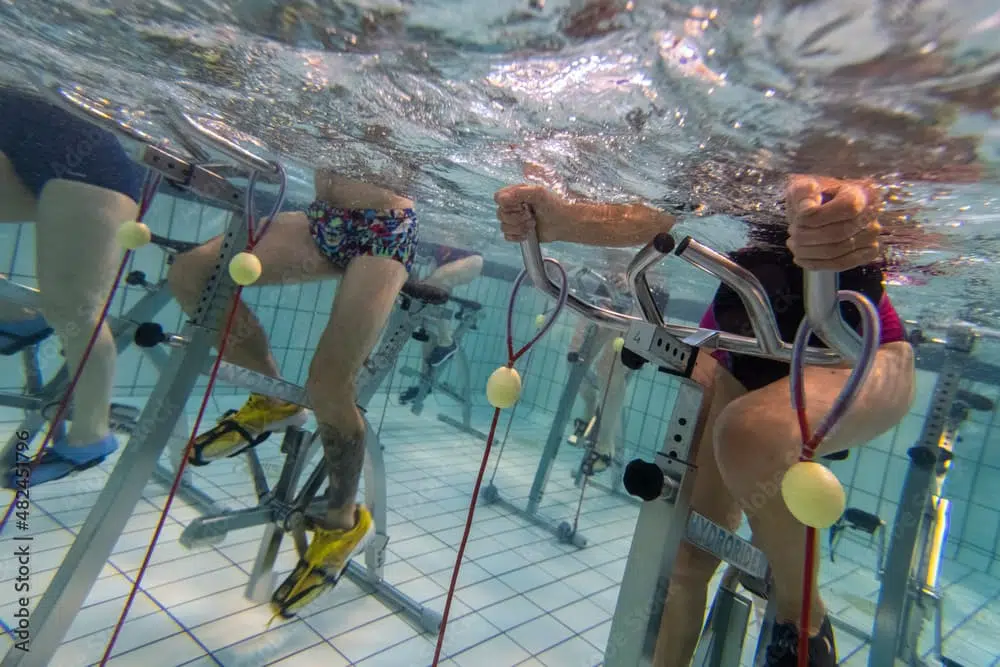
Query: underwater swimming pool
699,110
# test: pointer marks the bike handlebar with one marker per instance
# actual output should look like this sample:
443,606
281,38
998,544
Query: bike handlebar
192,133
821,297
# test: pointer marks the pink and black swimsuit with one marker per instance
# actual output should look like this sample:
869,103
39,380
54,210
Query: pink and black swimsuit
783,282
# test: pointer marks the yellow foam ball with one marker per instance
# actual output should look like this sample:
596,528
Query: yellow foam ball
503,389
132,235
539,321
619,344
813,494
245,268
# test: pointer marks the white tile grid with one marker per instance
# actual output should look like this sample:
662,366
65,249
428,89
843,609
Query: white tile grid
523,598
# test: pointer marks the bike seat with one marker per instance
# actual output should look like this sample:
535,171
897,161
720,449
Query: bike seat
16,337
171,244
421,291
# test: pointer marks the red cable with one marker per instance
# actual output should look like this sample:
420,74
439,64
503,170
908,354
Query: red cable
512,357
808,448
181,466
149,189
465,536
177,480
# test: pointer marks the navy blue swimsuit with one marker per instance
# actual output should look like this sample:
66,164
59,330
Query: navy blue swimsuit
44,142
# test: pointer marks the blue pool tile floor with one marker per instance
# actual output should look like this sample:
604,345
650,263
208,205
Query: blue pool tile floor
523,598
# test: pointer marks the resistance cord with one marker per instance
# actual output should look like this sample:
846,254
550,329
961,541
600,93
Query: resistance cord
590,452
149,188
510,422
871,332
254,236
512,358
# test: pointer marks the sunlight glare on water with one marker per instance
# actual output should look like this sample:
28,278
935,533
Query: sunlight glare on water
700,107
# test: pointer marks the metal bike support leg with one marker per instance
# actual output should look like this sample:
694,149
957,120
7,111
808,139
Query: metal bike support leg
659,532
95,542
563,530
721,643
665,521
724,634
463,396
895,626
427,377
616,469
164,476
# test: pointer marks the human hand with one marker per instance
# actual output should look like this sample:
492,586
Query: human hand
832,224
523,208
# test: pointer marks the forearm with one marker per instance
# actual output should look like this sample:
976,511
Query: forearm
614,225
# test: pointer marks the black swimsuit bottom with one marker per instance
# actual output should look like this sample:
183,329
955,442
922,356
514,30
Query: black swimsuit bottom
783,283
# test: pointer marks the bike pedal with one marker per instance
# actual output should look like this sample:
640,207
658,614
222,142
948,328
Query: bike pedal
123,418
862,520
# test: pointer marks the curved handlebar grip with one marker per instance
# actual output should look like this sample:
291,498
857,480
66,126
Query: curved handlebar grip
823,312
204,135
86,109
534,265
821,293
654,251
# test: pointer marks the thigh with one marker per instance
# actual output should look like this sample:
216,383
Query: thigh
17,204
75,248
882,401
365,297
710,497
287,253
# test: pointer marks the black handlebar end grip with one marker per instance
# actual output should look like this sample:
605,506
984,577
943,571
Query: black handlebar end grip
573,357
682,246
664,243
149,334
631,360
643,479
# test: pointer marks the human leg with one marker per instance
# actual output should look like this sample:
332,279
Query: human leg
757,440
288,256
364,300
447,277
76,256
377,248
687,595
611,371
459,272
